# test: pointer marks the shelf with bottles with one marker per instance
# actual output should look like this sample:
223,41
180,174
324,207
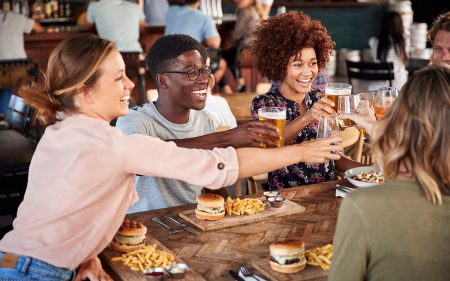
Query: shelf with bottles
53,11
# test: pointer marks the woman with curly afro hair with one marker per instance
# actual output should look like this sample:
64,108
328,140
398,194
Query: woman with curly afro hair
290,49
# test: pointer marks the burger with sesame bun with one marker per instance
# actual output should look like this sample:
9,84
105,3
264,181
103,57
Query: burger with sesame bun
210,207
287,256
130,236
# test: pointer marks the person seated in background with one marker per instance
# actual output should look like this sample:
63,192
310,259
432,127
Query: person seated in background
117,20
400,230
178,65
155,11
248,17
439,36
294,67
12,28
264,7
81,178
184,17
390,46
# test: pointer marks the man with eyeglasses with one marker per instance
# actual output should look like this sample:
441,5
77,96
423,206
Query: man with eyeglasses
177,64
439,36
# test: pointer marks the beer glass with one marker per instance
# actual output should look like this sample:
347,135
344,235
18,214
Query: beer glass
334,90
347,105
370,98
276,116
383,100
328,127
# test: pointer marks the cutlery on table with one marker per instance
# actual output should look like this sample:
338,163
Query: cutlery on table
170,229
184,226
235,275
247,273
344,189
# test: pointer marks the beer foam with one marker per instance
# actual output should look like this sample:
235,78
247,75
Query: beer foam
337,92
281,115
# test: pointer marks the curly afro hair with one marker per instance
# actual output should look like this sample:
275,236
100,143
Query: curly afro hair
279,38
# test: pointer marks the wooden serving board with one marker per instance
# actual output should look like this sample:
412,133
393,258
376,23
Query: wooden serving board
125,273
288,208
309,273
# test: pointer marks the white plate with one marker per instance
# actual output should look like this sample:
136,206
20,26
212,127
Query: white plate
350,173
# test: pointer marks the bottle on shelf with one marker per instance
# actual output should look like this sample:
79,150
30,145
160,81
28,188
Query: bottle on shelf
37,10
6,5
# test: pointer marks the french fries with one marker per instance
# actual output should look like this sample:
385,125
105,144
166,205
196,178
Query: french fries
247,206
320,256
146,257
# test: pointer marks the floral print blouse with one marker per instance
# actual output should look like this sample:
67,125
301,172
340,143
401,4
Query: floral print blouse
300,173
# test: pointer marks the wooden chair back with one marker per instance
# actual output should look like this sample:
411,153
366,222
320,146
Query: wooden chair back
135,69
370,71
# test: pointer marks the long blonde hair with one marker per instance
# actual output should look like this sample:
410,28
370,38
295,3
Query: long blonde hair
74,63
414,136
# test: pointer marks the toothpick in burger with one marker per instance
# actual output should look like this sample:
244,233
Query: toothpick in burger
287,256
130,236
210,207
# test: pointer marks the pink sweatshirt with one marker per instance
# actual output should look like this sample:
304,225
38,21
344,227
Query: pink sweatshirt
81,183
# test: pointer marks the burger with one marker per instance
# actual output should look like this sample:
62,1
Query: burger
210,207
130,236
287,256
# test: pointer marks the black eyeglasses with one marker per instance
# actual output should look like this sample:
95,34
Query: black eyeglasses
194,74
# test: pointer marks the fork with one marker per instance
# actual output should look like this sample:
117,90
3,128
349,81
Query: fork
247,273
170,229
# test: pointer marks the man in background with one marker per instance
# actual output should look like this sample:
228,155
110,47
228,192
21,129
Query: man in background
439,36
119,21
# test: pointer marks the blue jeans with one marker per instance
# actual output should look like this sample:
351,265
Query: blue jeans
30,269
5,96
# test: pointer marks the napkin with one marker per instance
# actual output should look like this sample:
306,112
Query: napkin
250,278
340,193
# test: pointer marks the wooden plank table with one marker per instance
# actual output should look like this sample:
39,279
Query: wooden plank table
213,253
240,104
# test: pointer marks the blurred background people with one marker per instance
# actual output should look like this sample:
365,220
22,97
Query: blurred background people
294,67
264,7
12,28
184,17
400,230
389,46
117,20
248,17
439,36
155,11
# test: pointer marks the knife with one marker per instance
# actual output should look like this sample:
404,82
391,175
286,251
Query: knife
184,226
235,275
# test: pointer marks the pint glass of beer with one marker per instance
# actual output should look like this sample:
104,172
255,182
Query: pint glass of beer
276,116
334,90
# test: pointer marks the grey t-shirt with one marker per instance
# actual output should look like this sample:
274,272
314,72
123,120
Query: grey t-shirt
155,193
12,28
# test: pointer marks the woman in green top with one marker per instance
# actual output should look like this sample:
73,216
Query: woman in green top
401,230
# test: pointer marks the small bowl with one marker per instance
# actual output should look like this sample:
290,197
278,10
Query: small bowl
269,194
155,273
276,201
351,173
177,270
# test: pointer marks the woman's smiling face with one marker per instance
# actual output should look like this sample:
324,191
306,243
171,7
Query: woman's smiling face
301,71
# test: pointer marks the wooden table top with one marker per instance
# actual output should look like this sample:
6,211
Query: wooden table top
240,104
213,253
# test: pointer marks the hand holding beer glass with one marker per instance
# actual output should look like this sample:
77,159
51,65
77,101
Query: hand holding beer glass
276,116
347,105
383,100
334,90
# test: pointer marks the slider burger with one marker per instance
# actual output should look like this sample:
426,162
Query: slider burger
287,256
210,207
130,236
